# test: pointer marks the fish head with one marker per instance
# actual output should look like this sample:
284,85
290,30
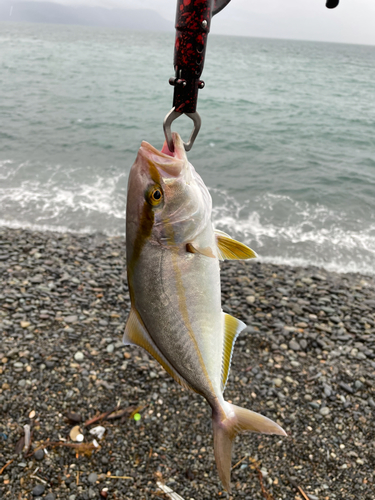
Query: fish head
167,201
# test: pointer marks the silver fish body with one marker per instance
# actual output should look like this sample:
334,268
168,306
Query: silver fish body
173,255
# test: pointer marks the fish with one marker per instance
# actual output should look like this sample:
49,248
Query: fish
173,258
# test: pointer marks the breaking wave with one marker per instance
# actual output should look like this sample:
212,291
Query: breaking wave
60,203
280,229
284,231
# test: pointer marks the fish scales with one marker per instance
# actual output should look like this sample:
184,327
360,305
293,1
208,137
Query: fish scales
173,255
166,316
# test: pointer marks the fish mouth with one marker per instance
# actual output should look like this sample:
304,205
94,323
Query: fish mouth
169,164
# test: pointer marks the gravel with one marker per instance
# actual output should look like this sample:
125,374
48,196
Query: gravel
39,455
38,490
306,360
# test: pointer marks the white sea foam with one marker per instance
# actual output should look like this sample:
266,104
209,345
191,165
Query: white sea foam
281,230
19,224
284,231
52,200
61,203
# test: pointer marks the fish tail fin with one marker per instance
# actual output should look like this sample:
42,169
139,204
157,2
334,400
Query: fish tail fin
226,426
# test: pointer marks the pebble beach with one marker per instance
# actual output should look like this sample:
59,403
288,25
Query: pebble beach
306,360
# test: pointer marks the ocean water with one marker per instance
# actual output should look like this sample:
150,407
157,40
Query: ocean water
287,145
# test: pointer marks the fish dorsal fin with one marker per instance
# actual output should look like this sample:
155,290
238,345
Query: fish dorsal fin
194,248
232,328
230,249
137,334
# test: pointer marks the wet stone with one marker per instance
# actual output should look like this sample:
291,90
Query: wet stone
93,477
327,390
358,385
324,411
39,455
303,344
79,356
71,319
38,490
294,345
346,387
92,493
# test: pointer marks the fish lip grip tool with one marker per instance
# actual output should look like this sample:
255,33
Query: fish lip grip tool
193,22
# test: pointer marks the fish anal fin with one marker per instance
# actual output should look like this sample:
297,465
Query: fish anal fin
194,248
230,249
136,334
232,328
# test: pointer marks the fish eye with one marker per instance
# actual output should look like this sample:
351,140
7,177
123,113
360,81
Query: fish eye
155,195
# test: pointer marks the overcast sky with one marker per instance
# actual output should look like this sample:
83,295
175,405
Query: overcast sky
353,21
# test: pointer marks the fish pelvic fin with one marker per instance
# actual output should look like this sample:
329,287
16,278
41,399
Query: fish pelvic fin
232,328
136,334
226,425
230,249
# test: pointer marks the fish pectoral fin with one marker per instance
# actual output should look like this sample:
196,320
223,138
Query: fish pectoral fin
230,249
194,248
136,334
232,328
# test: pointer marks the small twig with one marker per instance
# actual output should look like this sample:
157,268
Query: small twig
80,447
265,493
149,458
39,479
137,410
5,466
38,448
119,477
239,462
303,493
293,483
77,477
100,417
120,413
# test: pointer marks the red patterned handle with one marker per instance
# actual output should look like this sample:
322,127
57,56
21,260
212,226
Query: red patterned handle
193,20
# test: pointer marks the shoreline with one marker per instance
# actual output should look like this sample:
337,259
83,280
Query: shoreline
306,360
54,232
